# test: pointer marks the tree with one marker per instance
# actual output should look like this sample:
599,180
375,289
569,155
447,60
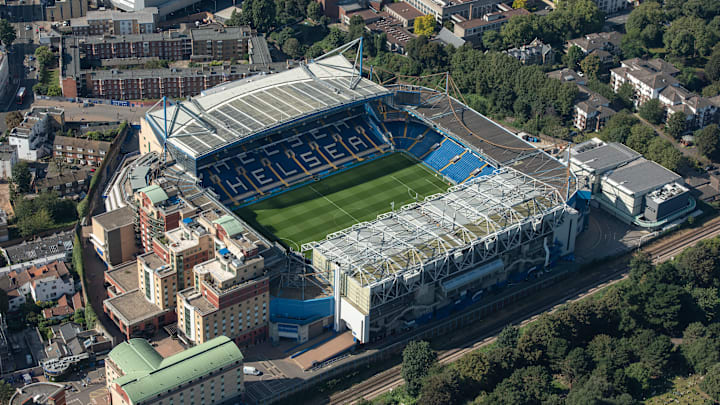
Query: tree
35,223
235,20
676,124
357,27
664,153
689,36
573,57
7,33
21,177
712,67
492,40
54,91
441,389
711,383
13,119
425,25
519,30
575,366
260,14
640,137
708,140
418,358
314,11
508,337
6,390
291,47
529,385
645,23
590,65
4,304
652,111
626,92
45,57
519,4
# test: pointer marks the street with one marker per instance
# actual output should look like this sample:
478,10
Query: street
20,76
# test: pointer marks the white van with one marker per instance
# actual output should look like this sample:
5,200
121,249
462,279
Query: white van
251,371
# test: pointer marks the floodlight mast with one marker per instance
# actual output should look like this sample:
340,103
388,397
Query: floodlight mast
357,64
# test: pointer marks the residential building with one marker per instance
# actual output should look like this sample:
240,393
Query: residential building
159,212
62,10
655,79
403,12
444,10
210,373
31,136
591,110
183,248
69,345
168,45
50,393
43,250
79,151
606,41
472,30
535,53
45,283
68,183
137,84
65,307
397,35
115,22
148,307
113,234
230,295
8,159
218,42
122,279
611,6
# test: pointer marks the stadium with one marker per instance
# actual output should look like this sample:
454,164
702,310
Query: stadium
409,203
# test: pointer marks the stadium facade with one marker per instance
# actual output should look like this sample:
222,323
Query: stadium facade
511,213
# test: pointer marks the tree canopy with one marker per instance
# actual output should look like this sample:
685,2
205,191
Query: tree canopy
418,358
7,33
425,25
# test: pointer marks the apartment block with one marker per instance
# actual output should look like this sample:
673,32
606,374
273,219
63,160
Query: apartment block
183,248
220,43
159,209
115,22
31,136
80,151
472,30
230,295
444,9
210,373
169,45
113,235
655,79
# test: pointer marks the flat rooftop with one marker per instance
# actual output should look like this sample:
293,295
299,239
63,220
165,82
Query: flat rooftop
120,217
603,157
125,275
238,110
198,301
35,393
641,176
132,307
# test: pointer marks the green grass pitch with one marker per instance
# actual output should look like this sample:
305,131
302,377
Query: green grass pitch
337,202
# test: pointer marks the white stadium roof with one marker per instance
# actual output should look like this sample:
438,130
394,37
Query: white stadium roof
235,111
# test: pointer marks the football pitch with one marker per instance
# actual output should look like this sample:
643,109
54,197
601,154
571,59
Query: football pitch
311,212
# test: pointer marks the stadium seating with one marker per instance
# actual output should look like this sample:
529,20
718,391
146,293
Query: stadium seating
261,167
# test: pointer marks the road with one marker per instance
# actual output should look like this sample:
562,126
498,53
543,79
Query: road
582,286
20,75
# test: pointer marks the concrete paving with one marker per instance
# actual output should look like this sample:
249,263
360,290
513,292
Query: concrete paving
606,236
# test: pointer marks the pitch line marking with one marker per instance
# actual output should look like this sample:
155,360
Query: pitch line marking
408,187
336,206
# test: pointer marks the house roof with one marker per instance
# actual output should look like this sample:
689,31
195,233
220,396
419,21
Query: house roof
147,374
86,144
404,10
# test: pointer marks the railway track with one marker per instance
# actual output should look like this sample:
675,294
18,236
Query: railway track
659,251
